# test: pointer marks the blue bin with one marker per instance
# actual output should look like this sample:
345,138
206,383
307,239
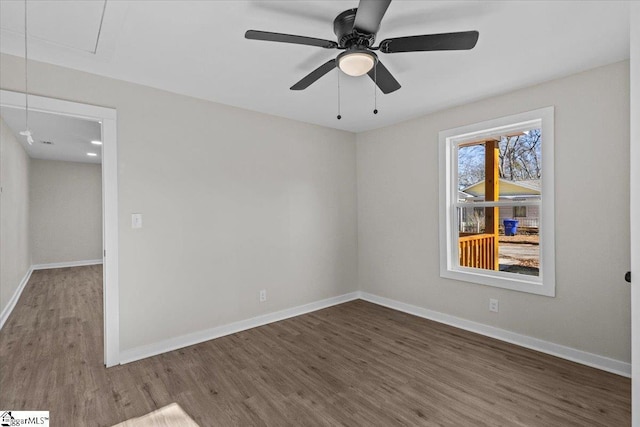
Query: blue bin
510,227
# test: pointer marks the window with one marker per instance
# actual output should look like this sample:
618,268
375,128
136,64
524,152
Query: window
496,203
519,211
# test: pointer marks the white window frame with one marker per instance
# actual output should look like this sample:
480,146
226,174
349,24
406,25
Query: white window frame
449,140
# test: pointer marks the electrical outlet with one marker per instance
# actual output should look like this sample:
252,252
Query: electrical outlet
263,295
493,305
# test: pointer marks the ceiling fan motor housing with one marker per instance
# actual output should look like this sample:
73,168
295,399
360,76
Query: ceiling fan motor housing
347,36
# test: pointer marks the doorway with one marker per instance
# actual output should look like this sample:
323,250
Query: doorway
104,119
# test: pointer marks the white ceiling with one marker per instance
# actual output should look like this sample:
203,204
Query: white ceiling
198,48
70,136
56,22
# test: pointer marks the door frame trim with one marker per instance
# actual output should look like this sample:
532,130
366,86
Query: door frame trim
634,202
107,117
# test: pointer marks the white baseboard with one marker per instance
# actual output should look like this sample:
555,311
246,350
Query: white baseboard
15,297
564,352
578,356
66,264
596,361
232,328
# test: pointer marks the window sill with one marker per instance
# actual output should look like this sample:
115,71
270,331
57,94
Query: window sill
535,286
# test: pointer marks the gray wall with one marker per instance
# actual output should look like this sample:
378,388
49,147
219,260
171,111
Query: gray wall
233,202
398,215
65,211
236,201
15,253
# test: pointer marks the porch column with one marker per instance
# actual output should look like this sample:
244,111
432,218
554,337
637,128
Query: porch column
491,194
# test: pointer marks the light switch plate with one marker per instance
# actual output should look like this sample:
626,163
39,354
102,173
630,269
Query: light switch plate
136,220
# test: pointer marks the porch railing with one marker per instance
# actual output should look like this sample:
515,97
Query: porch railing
528,222
477,250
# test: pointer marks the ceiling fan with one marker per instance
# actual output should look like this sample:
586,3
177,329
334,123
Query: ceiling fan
356,31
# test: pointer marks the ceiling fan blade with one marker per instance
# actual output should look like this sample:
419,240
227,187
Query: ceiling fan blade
383,78
289,38
448,41
314,75
369,15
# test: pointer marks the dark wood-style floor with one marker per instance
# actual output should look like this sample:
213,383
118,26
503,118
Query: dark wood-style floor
356,364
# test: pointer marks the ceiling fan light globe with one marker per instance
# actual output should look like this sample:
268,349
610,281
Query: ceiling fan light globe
356,64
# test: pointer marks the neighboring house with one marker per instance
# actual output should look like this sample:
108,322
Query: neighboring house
462,195
528,216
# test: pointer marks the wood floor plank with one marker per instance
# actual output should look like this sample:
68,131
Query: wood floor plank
356,364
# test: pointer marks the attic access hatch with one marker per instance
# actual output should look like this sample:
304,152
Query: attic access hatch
77,24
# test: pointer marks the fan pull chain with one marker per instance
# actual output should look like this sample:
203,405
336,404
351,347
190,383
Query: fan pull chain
375,89
26,69
26,133
339,116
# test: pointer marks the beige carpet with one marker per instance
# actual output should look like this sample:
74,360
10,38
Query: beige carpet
169,416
